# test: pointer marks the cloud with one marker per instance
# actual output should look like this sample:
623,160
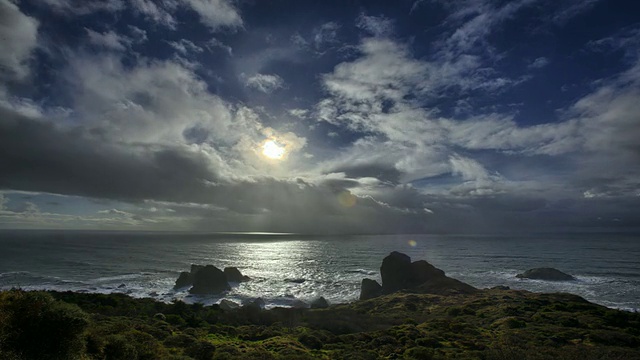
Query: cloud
19,34
84,7
185,47
266,83
571,9
155,101
325,35
109,40
216,14
160,12
375,25
539,63
215,43
299,113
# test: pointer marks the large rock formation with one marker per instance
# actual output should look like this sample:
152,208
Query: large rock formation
549,274
396,272
399,273
209,280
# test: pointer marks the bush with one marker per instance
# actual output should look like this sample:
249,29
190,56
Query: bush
37,326
419,353
119,348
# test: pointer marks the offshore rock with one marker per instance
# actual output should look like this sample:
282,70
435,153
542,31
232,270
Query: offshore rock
228,305
399,273
549,274
209,280
396,272
370,289
234,275
254,304
320,303
185,279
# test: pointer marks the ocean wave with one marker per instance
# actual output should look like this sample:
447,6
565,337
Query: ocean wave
132,276
362,271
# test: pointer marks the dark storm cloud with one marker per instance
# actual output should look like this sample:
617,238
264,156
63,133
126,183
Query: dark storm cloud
37,156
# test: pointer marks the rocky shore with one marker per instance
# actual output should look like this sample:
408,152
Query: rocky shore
416,313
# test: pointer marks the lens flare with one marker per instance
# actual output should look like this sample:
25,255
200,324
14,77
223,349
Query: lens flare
272,150
347,199
413,243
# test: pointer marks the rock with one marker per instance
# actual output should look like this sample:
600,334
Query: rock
209,280
444,285
549,274
122,286
299,304
255,303
396,272
501,287
319,303
153,294
422,271
234,275
228,305
297,281
195,268
370,289
185,279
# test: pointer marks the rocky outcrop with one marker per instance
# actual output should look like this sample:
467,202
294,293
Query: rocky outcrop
183,280
254,304
396,272
549,274
370,289
234,275
209,280
228,305
399,273
319,303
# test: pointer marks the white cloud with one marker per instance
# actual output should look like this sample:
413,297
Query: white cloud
266,83
539,63
215,43
84,7
19,34
216,14
139,35
109,40
571,9
375,25
160,12
325,35
299,113
185,46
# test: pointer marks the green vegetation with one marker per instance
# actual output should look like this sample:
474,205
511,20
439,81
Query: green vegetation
490,325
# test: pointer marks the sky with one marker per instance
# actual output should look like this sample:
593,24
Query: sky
407,116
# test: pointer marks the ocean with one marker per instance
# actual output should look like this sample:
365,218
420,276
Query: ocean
289,267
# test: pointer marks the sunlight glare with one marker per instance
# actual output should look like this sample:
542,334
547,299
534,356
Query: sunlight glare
272,150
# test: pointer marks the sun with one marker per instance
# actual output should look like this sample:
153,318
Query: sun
272,150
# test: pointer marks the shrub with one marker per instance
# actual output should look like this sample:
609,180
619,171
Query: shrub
419,353
39,327
119,348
